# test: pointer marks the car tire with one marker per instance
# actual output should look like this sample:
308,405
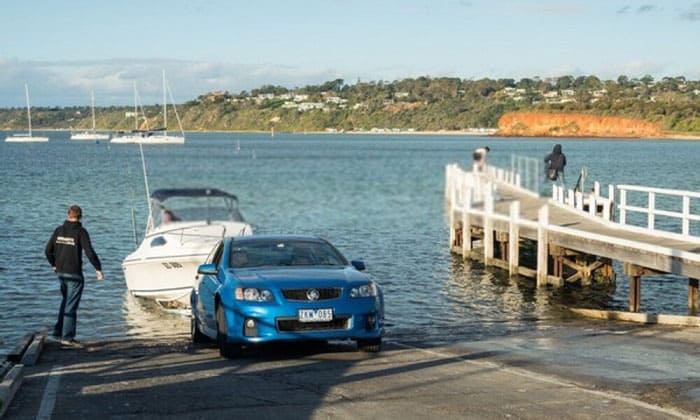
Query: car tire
195,332
226,349
370,346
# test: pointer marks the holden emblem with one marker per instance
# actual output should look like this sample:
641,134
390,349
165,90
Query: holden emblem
312,294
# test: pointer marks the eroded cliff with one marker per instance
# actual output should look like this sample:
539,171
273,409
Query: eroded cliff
533,124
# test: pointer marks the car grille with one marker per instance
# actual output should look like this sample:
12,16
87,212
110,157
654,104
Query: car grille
293,325
325,293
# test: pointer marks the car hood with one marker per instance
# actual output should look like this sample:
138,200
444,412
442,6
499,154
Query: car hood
300,274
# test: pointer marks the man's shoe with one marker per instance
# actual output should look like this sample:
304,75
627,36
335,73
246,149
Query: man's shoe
73,344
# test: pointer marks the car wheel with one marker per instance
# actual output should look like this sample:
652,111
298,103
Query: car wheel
195,333
370,346
226,349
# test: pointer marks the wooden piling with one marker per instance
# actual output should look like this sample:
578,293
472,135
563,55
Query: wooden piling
488,224
467,224
514,239
502,241
693,296
542,245
453,204
634,272
558,257
635,293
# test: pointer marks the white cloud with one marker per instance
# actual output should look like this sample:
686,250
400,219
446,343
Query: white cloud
623,10
69,82
692,13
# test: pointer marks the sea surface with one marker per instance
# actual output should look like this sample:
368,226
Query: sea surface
378,198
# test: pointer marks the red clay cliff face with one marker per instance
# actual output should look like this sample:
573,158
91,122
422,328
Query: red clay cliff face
532,124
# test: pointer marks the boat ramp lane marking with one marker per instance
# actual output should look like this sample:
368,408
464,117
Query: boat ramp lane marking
49,399
550,380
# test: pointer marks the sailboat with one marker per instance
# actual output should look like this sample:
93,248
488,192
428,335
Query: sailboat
27,137
157,136
91,134
135,136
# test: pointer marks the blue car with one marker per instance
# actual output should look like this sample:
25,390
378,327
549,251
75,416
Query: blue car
259,289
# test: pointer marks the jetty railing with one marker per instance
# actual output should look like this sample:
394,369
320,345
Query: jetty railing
591,202
474,186
678,209
651,202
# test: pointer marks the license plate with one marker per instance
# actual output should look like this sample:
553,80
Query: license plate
315,315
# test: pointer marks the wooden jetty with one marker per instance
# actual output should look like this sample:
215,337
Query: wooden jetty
572,236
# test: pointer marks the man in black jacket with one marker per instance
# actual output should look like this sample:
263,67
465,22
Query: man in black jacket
64,252
556,161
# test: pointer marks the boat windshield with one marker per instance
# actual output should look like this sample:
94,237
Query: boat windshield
284,253
189,209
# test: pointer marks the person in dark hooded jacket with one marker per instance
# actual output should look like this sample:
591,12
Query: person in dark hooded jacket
64,252
555,163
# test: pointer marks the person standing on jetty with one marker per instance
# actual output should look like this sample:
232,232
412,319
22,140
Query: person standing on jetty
480,158
64,252
556,161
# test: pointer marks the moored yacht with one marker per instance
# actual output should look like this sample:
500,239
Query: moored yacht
182,228
147,137
157,136
26,137
90,134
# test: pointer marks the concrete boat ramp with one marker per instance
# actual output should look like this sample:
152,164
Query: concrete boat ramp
578,369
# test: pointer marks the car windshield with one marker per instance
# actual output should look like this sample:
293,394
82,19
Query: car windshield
284,253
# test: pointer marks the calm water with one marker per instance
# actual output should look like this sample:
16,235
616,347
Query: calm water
378,198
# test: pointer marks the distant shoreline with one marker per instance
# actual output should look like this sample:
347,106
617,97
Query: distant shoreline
453,133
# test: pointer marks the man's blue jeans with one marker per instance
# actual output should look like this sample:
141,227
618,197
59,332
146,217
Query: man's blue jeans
71,292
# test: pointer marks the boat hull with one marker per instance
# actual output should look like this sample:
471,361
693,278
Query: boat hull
89,136
165,265
26,139
166,279
155,139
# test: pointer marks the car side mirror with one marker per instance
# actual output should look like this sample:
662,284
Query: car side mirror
359,265
207,269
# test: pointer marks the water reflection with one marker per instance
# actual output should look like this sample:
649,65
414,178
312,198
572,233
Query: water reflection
145,318
493,295
480,302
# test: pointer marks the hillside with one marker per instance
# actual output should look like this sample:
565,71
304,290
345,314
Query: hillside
574,106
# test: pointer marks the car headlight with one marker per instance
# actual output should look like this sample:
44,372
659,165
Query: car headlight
366,290
253,294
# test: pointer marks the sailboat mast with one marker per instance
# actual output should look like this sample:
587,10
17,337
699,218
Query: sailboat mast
93,111
149,223
165,107
29,112
136,108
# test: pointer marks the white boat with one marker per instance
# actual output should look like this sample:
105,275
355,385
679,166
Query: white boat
182,228
90,134
157,136
26,137
147,137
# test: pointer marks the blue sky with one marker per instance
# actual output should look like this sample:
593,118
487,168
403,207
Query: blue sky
65,49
